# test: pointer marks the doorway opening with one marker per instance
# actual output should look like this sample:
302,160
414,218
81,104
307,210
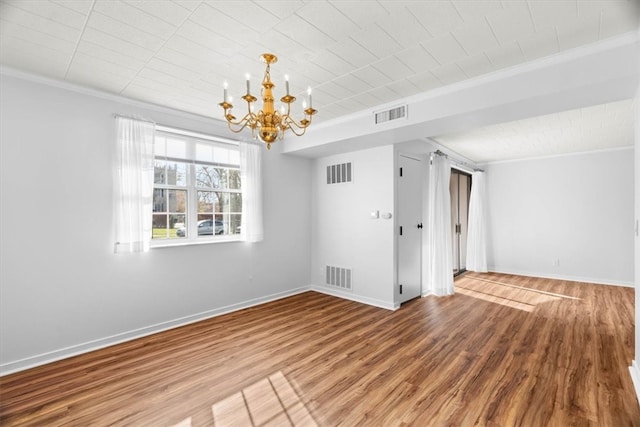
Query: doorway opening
460,188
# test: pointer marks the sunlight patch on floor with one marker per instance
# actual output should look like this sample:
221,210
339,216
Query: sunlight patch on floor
506,294
520,287
270,401
495,299
184,423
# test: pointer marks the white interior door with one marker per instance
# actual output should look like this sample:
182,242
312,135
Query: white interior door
410,227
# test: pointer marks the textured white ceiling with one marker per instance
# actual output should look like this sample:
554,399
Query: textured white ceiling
585,129
355,54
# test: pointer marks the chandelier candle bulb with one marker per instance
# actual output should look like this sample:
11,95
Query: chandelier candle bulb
248,84
286,80
224,85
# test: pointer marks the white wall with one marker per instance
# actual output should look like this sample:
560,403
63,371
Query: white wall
345,236
577,209
62,290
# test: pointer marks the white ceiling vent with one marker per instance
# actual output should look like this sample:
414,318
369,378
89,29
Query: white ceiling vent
392,114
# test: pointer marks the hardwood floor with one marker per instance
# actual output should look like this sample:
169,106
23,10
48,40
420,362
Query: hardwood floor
504,351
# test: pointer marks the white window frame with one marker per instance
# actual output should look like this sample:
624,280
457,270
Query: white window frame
191,215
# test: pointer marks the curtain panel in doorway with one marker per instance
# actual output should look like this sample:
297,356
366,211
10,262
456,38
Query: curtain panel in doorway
477,231
438,261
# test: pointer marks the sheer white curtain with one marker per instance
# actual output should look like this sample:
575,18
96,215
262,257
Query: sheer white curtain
477,231
134,187
438,265
251,173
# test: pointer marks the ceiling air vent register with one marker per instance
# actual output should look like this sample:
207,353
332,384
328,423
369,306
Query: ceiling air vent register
392,114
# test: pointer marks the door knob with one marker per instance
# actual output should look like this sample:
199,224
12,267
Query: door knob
420,225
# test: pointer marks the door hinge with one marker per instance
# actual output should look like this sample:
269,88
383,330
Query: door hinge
400,289
420,225
401,230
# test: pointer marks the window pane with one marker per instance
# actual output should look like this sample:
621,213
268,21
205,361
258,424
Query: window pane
206,225
223,223
160,146
177,200
223,177
159,227
234,179
159,172
177,174
202,217
206,201
207,176
234,157
221,155
159,200
178,226
204,152
235,204
234,223
176,148
222,204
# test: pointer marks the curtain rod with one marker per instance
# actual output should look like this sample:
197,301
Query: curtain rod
455,161
122,116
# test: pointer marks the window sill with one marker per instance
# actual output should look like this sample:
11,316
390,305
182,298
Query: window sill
161,244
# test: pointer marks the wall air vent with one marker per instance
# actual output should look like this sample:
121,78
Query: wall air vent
392,114
338,277
339,173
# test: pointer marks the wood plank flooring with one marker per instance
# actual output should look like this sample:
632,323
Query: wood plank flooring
504,351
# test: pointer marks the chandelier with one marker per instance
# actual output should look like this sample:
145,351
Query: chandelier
269,123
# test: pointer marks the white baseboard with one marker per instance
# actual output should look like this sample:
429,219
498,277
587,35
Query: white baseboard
562,277
635,377
63,353
357,298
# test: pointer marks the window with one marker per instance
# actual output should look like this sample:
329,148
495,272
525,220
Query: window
197,192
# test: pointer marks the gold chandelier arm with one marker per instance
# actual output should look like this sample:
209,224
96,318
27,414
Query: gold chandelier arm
243,123
289,123
302,124
302,130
